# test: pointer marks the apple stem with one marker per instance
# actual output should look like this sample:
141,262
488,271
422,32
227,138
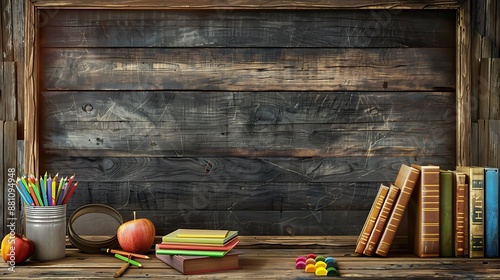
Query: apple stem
134,215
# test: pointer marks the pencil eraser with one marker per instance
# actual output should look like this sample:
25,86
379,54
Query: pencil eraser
310,261
300,265
330,262
332,271
300,259
319,258
310,268
312,256
320,264
321,271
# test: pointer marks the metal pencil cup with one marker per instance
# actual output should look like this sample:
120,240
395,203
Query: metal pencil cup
46,227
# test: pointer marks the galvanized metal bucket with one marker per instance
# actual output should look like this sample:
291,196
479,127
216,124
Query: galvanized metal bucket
46,227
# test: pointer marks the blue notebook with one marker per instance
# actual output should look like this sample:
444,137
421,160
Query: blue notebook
491,249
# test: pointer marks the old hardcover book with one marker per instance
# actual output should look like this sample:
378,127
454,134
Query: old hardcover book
423,212
475,181
491,212
459,214
201,264
381,221
405,181
372,217
446,213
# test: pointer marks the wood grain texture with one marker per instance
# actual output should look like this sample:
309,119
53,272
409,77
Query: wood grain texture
266,121
236,28
244,123
30,85
247,4
267,262
246,69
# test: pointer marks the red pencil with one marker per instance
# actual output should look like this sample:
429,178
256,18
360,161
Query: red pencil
70,192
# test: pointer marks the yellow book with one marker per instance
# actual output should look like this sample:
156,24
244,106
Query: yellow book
201,233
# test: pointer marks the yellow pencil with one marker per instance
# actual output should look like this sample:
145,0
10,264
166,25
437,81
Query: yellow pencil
54,191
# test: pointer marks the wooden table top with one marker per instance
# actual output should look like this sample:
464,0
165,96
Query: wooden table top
265,263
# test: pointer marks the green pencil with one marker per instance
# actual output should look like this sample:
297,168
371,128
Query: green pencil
125,259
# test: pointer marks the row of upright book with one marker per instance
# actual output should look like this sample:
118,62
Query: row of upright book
197,251
450,213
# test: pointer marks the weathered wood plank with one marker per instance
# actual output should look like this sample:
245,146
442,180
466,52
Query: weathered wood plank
257,222
31,94
300,140
463,72
268,263
494,106
227,195
18,30
3,176
224,171
249,4
7,32
8,91
9,200
198,108
236,28
244,69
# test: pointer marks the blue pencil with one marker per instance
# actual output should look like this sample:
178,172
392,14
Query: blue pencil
26,201
49,191
22,191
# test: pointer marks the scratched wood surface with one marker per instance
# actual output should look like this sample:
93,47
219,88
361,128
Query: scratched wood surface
273,260
269,122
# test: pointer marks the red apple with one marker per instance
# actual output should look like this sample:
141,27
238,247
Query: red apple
136,236
16,249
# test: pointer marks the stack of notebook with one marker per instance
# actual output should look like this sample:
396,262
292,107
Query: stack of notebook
194,251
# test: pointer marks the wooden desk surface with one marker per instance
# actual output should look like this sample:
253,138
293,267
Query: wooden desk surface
265,263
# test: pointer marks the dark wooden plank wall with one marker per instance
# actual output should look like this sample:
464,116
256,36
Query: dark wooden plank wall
268,122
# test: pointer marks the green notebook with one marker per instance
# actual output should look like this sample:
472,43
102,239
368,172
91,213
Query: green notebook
191,252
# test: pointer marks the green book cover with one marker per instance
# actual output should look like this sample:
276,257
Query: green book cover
446,213
173,238
191,252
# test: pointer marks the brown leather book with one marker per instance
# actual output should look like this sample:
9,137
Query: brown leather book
475,181
381,221
372,217
423,212
460,229
405,181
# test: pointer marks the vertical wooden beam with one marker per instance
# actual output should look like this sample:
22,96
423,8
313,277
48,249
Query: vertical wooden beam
3,176
10,202
464,85
31,148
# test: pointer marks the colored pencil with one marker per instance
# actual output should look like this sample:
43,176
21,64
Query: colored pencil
54,190
70,192
23,192
49,190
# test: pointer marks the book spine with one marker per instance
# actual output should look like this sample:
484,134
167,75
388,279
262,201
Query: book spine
425,213
491,212
446,213
459,202
475,215
381,220
372,217
406,180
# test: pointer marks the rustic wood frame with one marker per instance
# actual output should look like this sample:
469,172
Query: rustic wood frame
463,50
